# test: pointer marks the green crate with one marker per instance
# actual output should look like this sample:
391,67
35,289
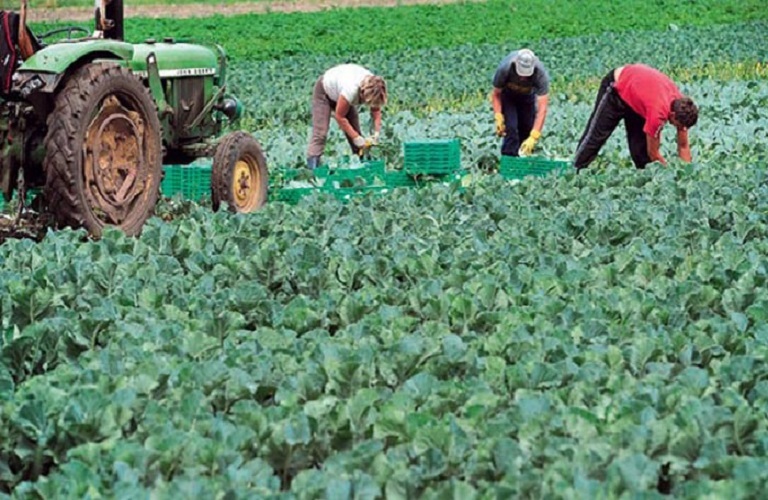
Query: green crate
399,178
366,175
172,181
192,182
432,156
197,182
514,167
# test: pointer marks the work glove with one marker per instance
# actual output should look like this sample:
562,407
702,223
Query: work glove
359,141
501,130
364,144
526,148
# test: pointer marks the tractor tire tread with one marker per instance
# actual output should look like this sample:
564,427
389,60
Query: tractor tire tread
228,152
65,125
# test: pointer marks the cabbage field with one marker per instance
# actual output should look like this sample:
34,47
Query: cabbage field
595,336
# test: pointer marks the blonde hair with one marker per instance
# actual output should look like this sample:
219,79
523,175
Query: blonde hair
373,91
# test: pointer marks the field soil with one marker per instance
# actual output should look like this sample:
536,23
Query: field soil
37,14
31,225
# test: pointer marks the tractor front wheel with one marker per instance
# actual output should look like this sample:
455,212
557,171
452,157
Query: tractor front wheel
103,160
239,175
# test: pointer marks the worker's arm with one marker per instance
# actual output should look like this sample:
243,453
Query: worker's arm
541,111
654,146
496,100
683,147
342,108
376,117
528,145
497,116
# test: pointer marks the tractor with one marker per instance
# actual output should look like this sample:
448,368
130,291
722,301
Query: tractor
89,121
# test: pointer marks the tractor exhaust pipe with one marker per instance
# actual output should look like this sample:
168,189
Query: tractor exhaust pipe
109,19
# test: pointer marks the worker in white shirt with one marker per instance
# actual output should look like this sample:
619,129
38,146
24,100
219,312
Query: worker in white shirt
338,92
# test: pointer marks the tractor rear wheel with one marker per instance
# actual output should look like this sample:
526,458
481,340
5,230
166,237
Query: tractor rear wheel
239,175
103,162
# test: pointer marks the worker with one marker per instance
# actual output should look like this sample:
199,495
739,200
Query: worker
340,90
519,98
645,99
108,19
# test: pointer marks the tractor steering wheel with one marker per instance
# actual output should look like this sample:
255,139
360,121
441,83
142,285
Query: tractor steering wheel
68,30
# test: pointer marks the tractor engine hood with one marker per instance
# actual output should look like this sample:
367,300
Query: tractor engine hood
46,68
176,60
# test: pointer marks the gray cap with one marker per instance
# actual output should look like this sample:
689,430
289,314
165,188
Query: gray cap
525,62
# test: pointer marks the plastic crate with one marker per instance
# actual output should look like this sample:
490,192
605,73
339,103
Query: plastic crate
432,156
366,175
197,182
284,177
399,178
192,182
514,167
172,182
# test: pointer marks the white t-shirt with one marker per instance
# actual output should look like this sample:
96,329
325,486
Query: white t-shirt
344,80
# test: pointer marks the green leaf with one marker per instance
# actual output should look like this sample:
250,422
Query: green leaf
6,383
297,431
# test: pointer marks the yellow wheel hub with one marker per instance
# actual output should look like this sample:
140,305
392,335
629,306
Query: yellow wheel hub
245,184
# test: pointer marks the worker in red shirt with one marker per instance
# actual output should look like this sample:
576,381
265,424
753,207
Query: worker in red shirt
645,99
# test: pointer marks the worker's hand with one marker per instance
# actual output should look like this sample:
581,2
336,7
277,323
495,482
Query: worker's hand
375,138
501,130
364,144
526,148
359,141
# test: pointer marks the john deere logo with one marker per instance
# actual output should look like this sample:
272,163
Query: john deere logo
175,73
188,72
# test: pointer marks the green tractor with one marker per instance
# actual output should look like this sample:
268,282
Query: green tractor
90,122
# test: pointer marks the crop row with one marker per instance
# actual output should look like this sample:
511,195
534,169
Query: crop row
607,338
278,35
591,335
733,115
277,93
431,96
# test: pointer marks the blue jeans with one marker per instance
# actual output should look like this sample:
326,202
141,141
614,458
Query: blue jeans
519,112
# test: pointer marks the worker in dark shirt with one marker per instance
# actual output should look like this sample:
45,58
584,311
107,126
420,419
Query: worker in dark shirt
519,98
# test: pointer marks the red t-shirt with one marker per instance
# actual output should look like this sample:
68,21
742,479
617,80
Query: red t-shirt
649,93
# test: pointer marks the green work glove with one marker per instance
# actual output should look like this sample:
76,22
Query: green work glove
501,130
526,148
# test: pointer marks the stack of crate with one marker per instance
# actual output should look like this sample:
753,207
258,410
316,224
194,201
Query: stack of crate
432,157
191,182
343,183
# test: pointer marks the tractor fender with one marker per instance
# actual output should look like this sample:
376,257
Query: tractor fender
44,70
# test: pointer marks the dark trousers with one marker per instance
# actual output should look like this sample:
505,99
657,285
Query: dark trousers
609,110
519,112
323,108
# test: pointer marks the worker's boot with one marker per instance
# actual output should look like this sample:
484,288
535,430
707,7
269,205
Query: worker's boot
313,162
